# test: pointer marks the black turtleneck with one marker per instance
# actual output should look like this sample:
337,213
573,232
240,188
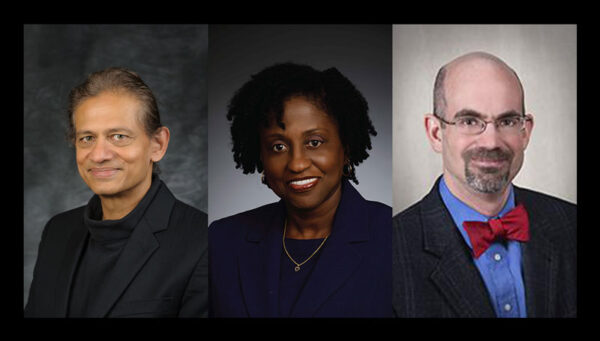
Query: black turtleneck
105,241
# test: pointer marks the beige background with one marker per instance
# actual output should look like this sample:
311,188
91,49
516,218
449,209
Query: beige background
544,57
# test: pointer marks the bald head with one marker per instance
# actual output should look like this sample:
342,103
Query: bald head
472,66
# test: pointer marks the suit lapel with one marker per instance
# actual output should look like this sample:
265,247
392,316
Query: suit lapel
340,255
71,256
259,264
140,246
539,256
455,273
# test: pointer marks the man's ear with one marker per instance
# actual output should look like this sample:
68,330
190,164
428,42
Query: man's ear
528,125
433,129
159,143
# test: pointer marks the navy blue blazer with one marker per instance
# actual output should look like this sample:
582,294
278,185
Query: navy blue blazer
351,278
434,274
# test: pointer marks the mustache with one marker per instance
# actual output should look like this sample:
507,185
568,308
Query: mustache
481,153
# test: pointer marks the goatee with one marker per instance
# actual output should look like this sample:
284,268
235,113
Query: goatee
487,179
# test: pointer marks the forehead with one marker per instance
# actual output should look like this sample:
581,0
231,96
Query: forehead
108,110
482,86
301,114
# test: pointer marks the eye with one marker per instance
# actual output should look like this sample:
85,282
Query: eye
508,122
314,143
468,121
279,147
120,139
85,140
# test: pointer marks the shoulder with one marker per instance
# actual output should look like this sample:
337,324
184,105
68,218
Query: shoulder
240,223
378,211
65,220
544,202
554,209
190,213
557,213
410,216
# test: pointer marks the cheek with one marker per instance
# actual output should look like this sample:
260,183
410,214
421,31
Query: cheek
80,156
452,151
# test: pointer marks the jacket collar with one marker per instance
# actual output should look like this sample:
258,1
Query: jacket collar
454,273
140,246
260,259
540,258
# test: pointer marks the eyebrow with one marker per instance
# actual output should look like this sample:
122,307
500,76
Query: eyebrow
307,132
110,131
475,113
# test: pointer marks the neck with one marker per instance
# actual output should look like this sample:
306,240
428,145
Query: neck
115,207
489,204
315,223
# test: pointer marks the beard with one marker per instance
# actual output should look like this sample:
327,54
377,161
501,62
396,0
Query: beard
487,179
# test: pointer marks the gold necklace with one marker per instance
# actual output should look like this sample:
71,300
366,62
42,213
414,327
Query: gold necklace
297,268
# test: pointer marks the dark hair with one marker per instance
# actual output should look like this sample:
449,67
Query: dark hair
262,99
116,79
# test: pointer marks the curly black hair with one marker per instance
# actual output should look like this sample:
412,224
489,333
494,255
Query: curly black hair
263,97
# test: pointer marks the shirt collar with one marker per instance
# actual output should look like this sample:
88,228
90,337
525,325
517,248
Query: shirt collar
461,212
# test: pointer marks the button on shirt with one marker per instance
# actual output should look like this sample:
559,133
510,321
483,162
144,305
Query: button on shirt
500,264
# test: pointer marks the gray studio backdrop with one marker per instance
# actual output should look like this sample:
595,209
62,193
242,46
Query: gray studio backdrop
361,52
171,59
544,57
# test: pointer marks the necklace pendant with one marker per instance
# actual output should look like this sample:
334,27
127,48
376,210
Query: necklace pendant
297,268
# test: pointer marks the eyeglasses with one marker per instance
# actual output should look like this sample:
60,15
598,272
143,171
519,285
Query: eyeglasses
471,125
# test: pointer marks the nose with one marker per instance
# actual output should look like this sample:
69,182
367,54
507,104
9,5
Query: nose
298,161
101,151
490,137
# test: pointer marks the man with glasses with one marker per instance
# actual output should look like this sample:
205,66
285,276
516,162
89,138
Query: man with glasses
476,245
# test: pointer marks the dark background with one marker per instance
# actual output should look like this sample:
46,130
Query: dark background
171,59
363,53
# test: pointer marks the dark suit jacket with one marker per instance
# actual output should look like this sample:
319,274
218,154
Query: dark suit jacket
351,278
434,274
161,272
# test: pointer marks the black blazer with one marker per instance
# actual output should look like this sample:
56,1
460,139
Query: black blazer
161,272
352,277
434,274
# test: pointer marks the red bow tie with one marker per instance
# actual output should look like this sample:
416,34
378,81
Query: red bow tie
513,226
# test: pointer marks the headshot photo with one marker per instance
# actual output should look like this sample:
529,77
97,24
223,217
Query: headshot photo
485,171
115,171
299,170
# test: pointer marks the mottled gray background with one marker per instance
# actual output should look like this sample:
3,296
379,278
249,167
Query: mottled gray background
544,57
171,59
363,53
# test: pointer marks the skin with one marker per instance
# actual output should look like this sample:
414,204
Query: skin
309,147
114,153
484,85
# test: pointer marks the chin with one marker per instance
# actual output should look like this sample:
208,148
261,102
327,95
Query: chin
301,204
105,189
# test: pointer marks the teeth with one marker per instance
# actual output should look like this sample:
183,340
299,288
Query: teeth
303,182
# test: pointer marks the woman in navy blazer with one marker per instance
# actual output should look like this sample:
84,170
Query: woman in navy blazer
322,250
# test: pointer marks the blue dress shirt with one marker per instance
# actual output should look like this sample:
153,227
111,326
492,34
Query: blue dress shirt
500,264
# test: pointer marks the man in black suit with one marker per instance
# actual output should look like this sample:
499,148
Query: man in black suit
476,245
134,250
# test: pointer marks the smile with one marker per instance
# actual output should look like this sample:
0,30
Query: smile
488,162
103,172
303,185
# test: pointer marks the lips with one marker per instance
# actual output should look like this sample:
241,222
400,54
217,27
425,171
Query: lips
303,184
104,172
489,162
